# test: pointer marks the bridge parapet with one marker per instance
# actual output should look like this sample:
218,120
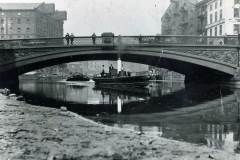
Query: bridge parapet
224,50
128,40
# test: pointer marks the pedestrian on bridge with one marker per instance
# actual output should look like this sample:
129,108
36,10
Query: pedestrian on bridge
67,37
94,38
119,39
71,38
140,38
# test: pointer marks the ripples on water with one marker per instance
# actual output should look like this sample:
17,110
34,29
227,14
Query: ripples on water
201,114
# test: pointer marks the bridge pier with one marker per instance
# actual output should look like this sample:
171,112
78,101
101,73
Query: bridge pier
9,80
199,79
208,78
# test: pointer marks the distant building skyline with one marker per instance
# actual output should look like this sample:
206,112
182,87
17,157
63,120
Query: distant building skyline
133,17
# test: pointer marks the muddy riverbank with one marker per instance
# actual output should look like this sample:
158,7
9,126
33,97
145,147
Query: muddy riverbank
36,132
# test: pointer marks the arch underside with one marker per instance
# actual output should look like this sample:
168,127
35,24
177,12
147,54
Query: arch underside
193,68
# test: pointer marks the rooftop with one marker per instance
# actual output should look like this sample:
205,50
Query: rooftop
203,2
19,6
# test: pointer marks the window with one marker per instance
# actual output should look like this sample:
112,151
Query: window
236,1
2,30
216,5
215,29
236,12
211,18
10,28
2,37
28,20
211,7
19,36
18,20
216,16
28,29
220,2
19,29
221,14
211,32
2,21
220,30
236,28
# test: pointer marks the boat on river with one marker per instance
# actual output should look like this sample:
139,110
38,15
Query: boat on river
78,77
122,80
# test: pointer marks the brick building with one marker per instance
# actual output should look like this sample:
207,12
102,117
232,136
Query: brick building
30,20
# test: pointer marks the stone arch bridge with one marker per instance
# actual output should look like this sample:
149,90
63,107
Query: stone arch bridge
200,59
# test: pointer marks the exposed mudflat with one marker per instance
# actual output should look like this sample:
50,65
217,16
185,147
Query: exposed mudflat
30,132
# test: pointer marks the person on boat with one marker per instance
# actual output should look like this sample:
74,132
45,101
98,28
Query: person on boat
94,38
103,72
111,70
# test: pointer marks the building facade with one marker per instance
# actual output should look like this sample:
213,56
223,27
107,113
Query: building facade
30,20
201,10
216,17
180,18
204,17
223,17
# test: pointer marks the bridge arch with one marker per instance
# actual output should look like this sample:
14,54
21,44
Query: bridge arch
195,68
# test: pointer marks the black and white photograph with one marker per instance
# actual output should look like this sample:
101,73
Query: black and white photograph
119,79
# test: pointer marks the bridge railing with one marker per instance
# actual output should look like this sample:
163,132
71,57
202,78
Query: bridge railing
121,40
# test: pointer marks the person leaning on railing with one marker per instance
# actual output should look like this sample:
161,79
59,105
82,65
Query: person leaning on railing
67,37
94,38
71,38
140,38
119,39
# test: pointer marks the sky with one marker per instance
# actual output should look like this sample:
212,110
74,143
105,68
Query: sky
125,17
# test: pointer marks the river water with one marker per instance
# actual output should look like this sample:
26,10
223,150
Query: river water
202,114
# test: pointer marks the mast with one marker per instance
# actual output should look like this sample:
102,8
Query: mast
119,65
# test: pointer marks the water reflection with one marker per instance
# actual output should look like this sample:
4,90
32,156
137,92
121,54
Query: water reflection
199,114
119,104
